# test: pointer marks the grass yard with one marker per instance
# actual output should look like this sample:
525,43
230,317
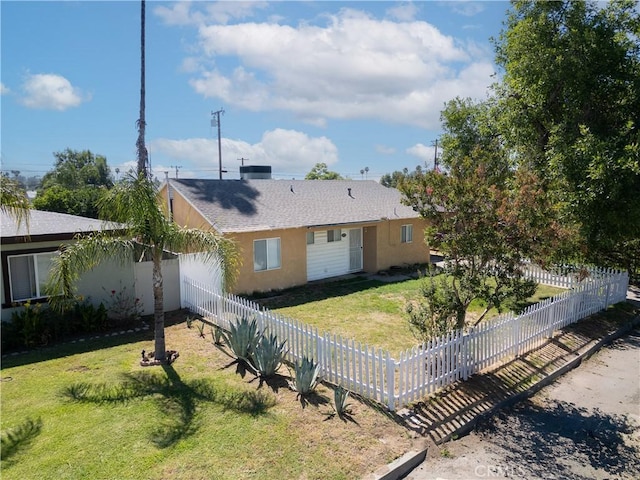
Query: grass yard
89,410
366,310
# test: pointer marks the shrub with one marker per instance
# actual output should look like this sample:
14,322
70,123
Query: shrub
124,308
89,318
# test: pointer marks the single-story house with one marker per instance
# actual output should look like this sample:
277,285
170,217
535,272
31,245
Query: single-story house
27,252
291,232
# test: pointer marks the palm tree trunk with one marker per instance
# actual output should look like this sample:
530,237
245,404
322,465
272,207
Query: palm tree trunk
141,123
158,307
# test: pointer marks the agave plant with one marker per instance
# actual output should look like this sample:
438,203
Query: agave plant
242,338
216,335
268,355
200,327
306,376
340,396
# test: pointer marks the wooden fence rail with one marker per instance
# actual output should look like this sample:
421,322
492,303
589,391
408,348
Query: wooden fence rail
422,370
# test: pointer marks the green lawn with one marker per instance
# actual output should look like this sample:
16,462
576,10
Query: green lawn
369,311
89,410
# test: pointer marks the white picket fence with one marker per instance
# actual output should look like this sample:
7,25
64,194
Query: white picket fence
374,374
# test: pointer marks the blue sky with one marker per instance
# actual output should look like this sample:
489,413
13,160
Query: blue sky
351,84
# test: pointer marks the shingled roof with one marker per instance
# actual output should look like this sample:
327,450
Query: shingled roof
50,225
254,205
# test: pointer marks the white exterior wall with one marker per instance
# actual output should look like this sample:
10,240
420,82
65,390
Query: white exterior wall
170,282
95,285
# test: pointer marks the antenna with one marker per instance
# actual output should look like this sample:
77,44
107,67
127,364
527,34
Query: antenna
216,121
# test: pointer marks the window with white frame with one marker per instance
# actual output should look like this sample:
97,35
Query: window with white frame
266,254
406,234
334,235
28,275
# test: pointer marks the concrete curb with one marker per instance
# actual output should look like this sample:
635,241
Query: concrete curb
586,352
400,467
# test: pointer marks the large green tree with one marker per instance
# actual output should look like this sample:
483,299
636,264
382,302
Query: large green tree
485,216
135,203
75,184
569,107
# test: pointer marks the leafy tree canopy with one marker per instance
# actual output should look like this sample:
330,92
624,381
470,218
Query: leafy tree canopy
75,169
569,107
391,180
484,216
321,172
75,185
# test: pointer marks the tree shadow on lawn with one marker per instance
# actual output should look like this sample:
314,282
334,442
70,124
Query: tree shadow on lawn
19,438
176,400
313,292
537,437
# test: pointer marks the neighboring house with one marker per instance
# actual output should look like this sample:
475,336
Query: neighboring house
291,232
26,255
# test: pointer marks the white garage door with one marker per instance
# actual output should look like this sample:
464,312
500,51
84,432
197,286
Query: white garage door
333,253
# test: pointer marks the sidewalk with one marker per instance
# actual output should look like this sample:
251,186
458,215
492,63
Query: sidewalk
455,410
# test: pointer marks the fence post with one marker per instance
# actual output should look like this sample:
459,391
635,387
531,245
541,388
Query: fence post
516,336
464,352
391,386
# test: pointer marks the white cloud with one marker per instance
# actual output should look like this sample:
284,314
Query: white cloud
181,13
51,92
405,12
385,150
354,66
287,151
423,152
4,90
468,9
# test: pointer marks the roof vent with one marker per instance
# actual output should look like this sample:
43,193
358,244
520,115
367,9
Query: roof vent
255,172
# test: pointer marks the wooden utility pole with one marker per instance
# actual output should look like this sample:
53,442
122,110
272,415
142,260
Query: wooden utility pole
216,121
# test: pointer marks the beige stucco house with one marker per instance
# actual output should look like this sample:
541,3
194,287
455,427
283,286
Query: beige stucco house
291,232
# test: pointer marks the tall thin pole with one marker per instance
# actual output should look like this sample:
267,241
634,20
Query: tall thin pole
217,121
435,156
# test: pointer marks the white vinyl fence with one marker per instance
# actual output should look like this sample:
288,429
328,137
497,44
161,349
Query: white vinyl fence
374,374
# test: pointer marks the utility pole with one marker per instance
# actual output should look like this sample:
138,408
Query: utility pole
242,161
435,155
216,121
176,167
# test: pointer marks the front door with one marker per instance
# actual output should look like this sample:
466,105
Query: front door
355,249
